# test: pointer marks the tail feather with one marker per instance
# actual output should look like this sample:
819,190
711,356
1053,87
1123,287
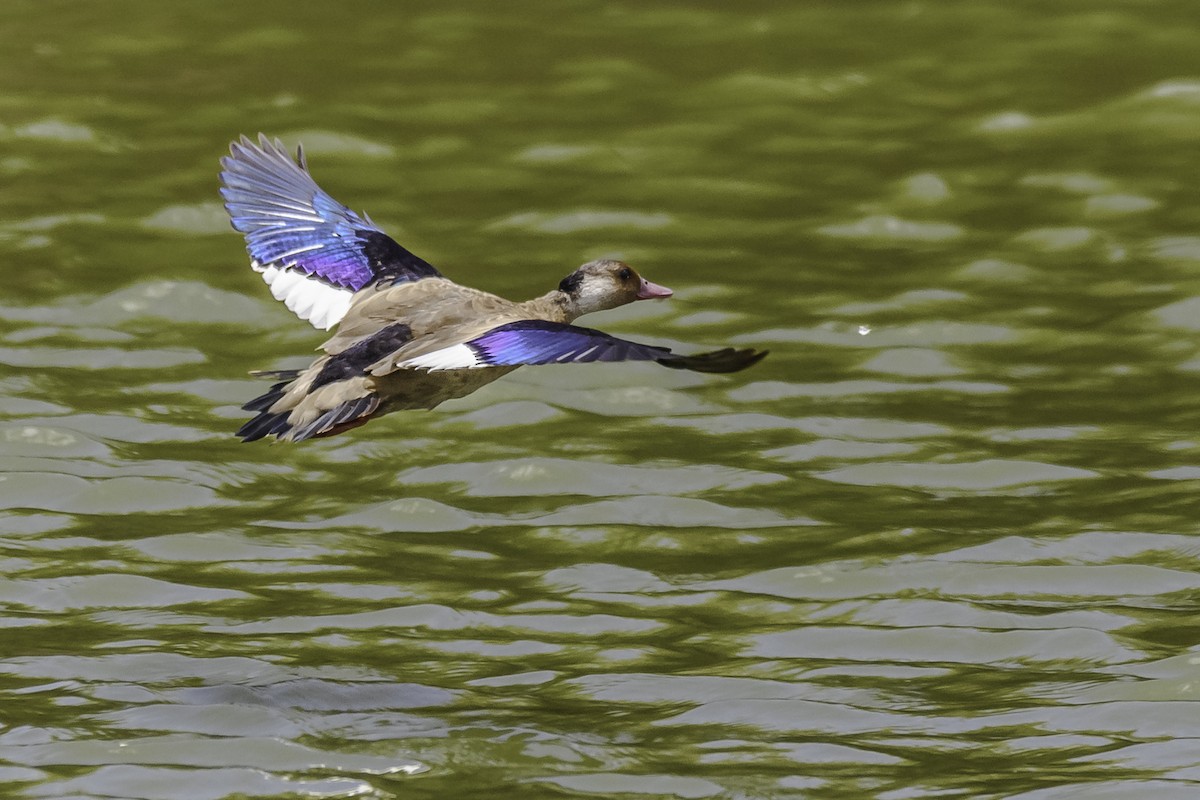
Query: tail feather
345,415
264,424
282,374
267,399
329,422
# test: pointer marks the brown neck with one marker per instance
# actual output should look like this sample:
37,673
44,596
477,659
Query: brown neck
554,306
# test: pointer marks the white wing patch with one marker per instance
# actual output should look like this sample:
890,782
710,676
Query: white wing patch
459,356
310,298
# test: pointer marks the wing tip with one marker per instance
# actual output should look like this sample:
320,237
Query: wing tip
244,152
721,361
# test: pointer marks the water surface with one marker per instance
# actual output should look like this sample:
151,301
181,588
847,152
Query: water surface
941,543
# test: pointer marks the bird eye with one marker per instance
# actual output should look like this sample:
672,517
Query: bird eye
625,274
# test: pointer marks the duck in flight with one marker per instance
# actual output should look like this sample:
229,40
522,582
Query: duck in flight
406,336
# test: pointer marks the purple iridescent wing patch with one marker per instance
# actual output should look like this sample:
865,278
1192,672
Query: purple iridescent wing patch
540,342
290,223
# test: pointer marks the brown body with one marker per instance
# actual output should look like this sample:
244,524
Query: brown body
438,314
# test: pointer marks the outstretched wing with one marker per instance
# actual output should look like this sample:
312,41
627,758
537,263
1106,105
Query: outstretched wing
312,251
531,342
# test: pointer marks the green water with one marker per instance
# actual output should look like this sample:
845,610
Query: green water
941,543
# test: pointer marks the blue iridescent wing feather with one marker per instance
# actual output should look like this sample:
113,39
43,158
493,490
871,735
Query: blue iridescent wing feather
291,223
532,342
541,342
